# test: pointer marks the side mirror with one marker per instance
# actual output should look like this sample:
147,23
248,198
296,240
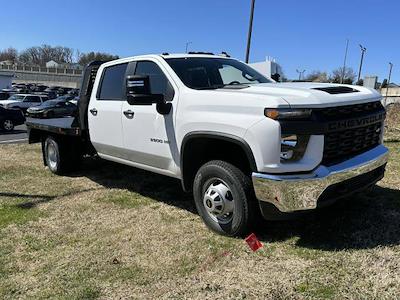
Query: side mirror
138,91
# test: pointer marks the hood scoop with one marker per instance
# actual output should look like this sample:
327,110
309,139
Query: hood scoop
337,90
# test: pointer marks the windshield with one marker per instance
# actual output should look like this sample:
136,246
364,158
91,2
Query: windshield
212,73
16,97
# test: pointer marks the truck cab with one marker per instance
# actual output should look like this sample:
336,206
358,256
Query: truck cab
242,143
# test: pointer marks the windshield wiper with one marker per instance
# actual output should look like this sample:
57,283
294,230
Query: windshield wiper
211,87
223,86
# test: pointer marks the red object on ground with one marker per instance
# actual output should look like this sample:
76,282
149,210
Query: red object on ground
253,242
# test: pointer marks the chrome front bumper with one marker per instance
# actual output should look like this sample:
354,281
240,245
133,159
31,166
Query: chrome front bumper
296,192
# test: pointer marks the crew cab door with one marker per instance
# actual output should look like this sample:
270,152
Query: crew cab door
148,136
104,111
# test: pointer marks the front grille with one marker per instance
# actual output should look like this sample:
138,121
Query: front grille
345,144
350,111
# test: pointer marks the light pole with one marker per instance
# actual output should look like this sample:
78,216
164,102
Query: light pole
344,62
363,49
187,46
387,86
250,30
300,73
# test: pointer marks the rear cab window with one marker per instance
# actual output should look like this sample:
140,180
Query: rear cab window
112,86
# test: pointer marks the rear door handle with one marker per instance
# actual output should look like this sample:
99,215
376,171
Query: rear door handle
93,111
129,114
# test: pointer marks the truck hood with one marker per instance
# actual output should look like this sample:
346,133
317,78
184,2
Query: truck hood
306,94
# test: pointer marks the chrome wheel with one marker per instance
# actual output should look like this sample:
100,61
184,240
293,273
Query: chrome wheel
8,125
52,158
218,201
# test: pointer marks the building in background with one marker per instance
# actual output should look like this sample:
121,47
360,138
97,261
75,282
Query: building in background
52,64
371,82
55,65
5,81
268,68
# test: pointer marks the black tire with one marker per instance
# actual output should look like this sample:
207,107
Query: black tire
7,125
59,156
242,194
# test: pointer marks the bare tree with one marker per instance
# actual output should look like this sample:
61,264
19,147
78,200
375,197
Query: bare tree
10,54
348,77
317,76
85,58
41,55
30,56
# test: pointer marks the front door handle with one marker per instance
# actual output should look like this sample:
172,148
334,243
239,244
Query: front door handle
129,114
93,111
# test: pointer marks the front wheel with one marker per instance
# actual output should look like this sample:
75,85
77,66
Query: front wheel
224,198
8,125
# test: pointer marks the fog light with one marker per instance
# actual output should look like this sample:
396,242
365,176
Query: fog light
286,155
293,147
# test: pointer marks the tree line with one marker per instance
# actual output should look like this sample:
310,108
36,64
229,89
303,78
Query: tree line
40,55
335,76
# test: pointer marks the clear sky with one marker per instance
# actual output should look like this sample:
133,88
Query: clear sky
299,34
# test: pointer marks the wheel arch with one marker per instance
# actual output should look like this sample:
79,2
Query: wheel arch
193,145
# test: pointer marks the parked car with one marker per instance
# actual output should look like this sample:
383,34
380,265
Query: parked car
4,95
60,107
9,118
75,100
40,88
23,101
74,92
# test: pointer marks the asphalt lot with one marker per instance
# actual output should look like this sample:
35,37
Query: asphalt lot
18,135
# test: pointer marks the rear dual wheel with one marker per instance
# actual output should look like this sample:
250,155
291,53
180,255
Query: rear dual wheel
224,198
60,156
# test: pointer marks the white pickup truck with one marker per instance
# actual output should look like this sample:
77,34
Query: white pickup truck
241,142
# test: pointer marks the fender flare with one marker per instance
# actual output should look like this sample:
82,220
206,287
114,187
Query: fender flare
219,136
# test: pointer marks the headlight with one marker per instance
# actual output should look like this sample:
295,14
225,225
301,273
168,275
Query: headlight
287,113
293,147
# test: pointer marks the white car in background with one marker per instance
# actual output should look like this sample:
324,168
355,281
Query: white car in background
23,101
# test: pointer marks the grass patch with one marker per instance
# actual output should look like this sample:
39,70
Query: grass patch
317,292
14,214
125,199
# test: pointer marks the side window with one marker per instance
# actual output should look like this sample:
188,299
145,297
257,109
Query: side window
34,99
113,83
159,83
